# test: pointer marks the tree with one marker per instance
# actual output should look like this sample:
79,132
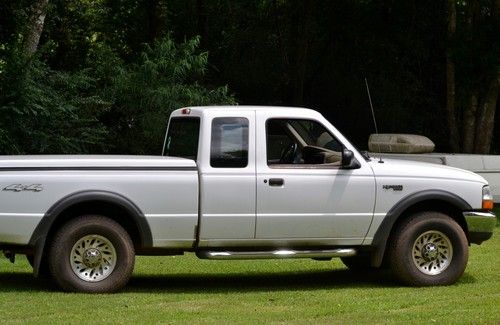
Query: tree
423,59
42,110
47,111
145,93
488,103
472,98
34,27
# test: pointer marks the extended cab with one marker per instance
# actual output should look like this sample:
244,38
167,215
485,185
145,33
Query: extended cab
241,183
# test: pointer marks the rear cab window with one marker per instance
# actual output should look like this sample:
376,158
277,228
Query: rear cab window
183,137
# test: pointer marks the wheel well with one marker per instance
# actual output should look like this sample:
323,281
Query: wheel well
429,205
434,205
96,207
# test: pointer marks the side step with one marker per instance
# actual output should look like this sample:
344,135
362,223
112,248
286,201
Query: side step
281,253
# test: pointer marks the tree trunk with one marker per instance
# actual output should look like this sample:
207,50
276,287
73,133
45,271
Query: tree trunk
469,124
450,80
34,30
486,119
485,122
470,111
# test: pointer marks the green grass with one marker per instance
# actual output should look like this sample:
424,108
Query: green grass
183,289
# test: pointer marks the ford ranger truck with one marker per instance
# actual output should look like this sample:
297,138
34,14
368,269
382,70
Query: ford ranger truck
241,182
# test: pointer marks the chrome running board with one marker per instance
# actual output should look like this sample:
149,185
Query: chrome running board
279,253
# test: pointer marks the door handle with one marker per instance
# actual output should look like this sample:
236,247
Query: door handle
276,182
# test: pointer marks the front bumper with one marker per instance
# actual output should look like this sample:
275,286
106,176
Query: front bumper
480,225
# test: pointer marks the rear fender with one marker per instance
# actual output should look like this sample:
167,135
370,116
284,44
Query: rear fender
52,217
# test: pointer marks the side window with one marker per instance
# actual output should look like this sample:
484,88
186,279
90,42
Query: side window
229,145
279,141
301,142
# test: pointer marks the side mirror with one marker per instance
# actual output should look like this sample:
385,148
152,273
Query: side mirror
348,160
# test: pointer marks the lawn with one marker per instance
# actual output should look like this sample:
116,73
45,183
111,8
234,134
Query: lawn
183,289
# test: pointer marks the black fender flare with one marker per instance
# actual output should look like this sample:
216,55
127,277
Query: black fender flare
383,232
39,236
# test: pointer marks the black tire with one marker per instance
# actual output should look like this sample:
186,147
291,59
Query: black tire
438,258
110,235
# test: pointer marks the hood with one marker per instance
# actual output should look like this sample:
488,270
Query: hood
407,168
72,161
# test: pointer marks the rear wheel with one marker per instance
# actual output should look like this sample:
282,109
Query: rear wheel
91,254
429,249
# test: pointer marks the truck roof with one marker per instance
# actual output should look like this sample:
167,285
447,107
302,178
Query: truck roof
246,107
200,110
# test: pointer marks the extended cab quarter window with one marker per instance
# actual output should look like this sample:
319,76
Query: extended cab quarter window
301,142
229,145
182,137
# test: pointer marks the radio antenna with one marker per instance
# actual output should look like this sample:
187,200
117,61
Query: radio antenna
373,115
371,105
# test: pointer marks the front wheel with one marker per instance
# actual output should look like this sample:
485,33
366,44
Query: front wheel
429,249
91,254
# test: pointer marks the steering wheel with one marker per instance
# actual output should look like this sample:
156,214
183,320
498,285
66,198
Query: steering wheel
288,153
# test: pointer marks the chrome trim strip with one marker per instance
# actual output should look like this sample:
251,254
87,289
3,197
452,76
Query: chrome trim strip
280,253
480,221
11,214
171,215
364,214
228,215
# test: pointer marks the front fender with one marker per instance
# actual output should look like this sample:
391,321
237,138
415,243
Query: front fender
381,237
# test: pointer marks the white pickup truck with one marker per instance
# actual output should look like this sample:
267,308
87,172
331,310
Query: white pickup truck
241,183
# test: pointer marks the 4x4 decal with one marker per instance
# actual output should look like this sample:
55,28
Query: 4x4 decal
23,187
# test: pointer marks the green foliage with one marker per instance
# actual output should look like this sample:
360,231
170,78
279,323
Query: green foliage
144,93
98,83
47,111
109,107
283,52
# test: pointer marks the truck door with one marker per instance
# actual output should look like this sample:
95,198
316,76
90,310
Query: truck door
304,197
227,178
